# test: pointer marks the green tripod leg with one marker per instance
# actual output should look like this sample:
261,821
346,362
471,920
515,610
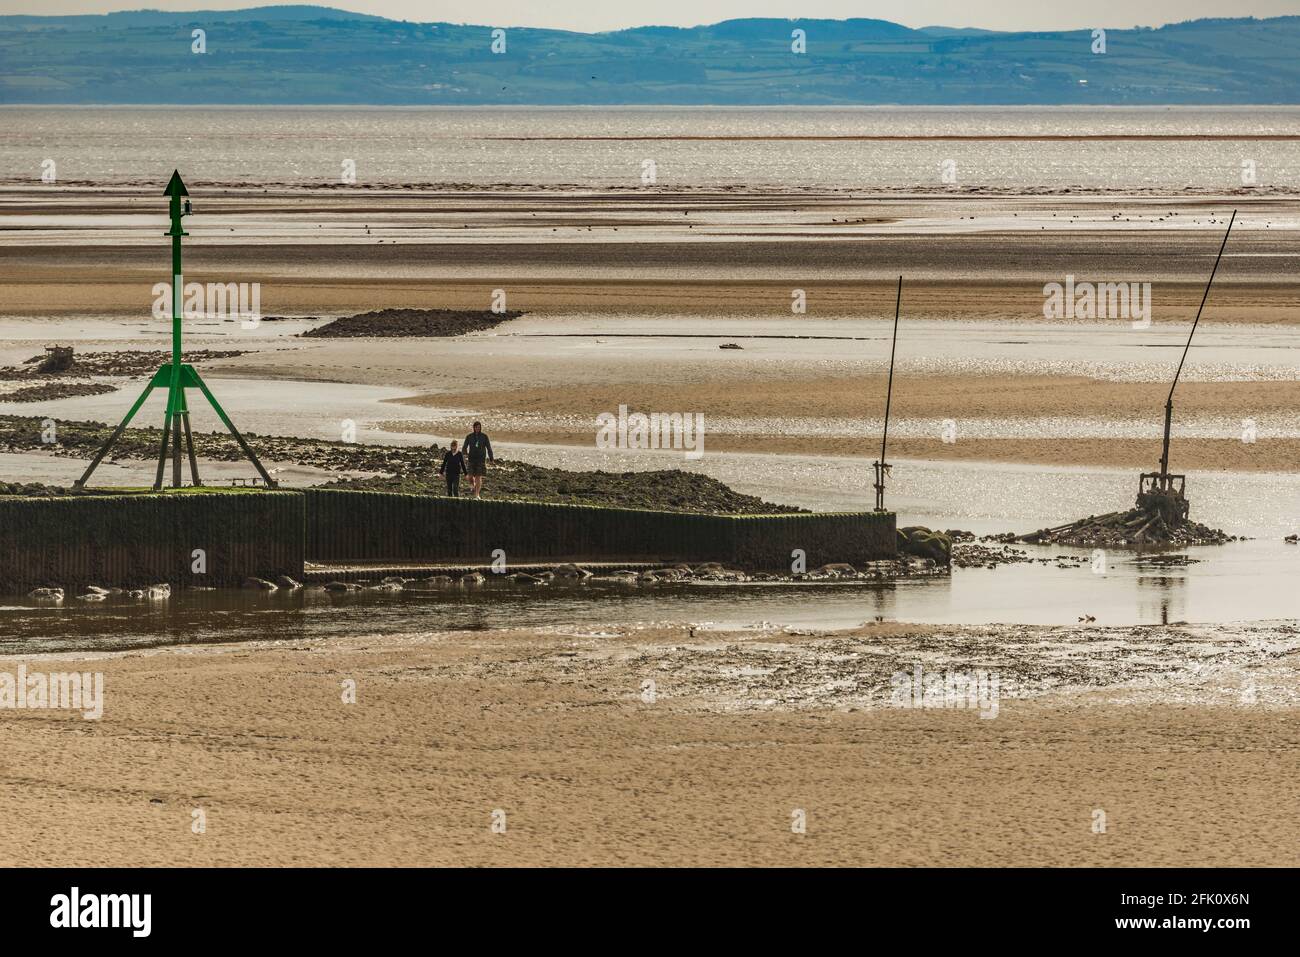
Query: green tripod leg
162,452
176,448
225,419
112,439
189,444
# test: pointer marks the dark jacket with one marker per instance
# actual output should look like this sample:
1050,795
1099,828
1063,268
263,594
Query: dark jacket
453,463
477,447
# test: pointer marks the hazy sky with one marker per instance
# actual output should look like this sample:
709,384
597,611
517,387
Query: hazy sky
592,15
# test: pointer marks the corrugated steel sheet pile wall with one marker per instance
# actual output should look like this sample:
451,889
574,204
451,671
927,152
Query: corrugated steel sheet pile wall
344,526
122,540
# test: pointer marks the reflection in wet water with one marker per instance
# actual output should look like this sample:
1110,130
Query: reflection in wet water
1226,586
1161,598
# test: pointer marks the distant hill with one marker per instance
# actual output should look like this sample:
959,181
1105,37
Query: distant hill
317,55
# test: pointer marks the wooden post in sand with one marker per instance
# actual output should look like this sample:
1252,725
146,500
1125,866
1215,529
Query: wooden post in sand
881,466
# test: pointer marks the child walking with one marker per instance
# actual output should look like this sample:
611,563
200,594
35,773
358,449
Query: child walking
452,467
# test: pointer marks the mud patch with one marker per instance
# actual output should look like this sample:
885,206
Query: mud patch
773,669
414,323
48,392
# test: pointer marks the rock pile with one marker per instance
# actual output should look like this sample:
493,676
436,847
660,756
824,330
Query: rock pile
1134,527
409,469
708,573
569,575
971,554
49,391
53,374
95,593
127,362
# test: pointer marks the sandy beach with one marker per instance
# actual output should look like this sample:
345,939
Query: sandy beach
555,730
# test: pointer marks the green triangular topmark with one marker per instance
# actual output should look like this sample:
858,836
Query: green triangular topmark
176,187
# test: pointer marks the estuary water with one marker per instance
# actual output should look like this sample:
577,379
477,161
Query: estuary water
993,148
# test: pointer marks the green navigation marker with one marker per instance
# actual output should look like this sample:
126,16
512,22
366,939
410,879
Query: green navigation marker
176,376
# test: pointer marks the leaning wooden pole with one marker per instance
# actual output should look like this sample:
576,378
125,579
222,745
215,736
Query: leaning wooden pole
882,466
1169,402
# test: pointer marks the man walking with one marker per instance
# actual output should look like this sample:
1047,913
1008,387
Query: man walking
478,452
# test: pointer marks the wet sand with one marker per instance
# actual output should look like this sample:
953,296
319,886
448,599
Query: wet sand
770,411
552,730
590,264
1264,455
33,288
678,250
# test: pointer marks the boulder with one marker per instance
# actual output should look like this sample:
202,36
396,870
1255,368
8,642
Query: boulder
923,543
52,593
716,573
624,577
342,586
151,592
432,583
287,583
473,578
839,570
259,584
571,571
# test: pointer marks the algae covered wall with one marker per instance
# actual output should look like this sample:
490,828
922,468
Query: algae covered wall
124,540
143,539
349,526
